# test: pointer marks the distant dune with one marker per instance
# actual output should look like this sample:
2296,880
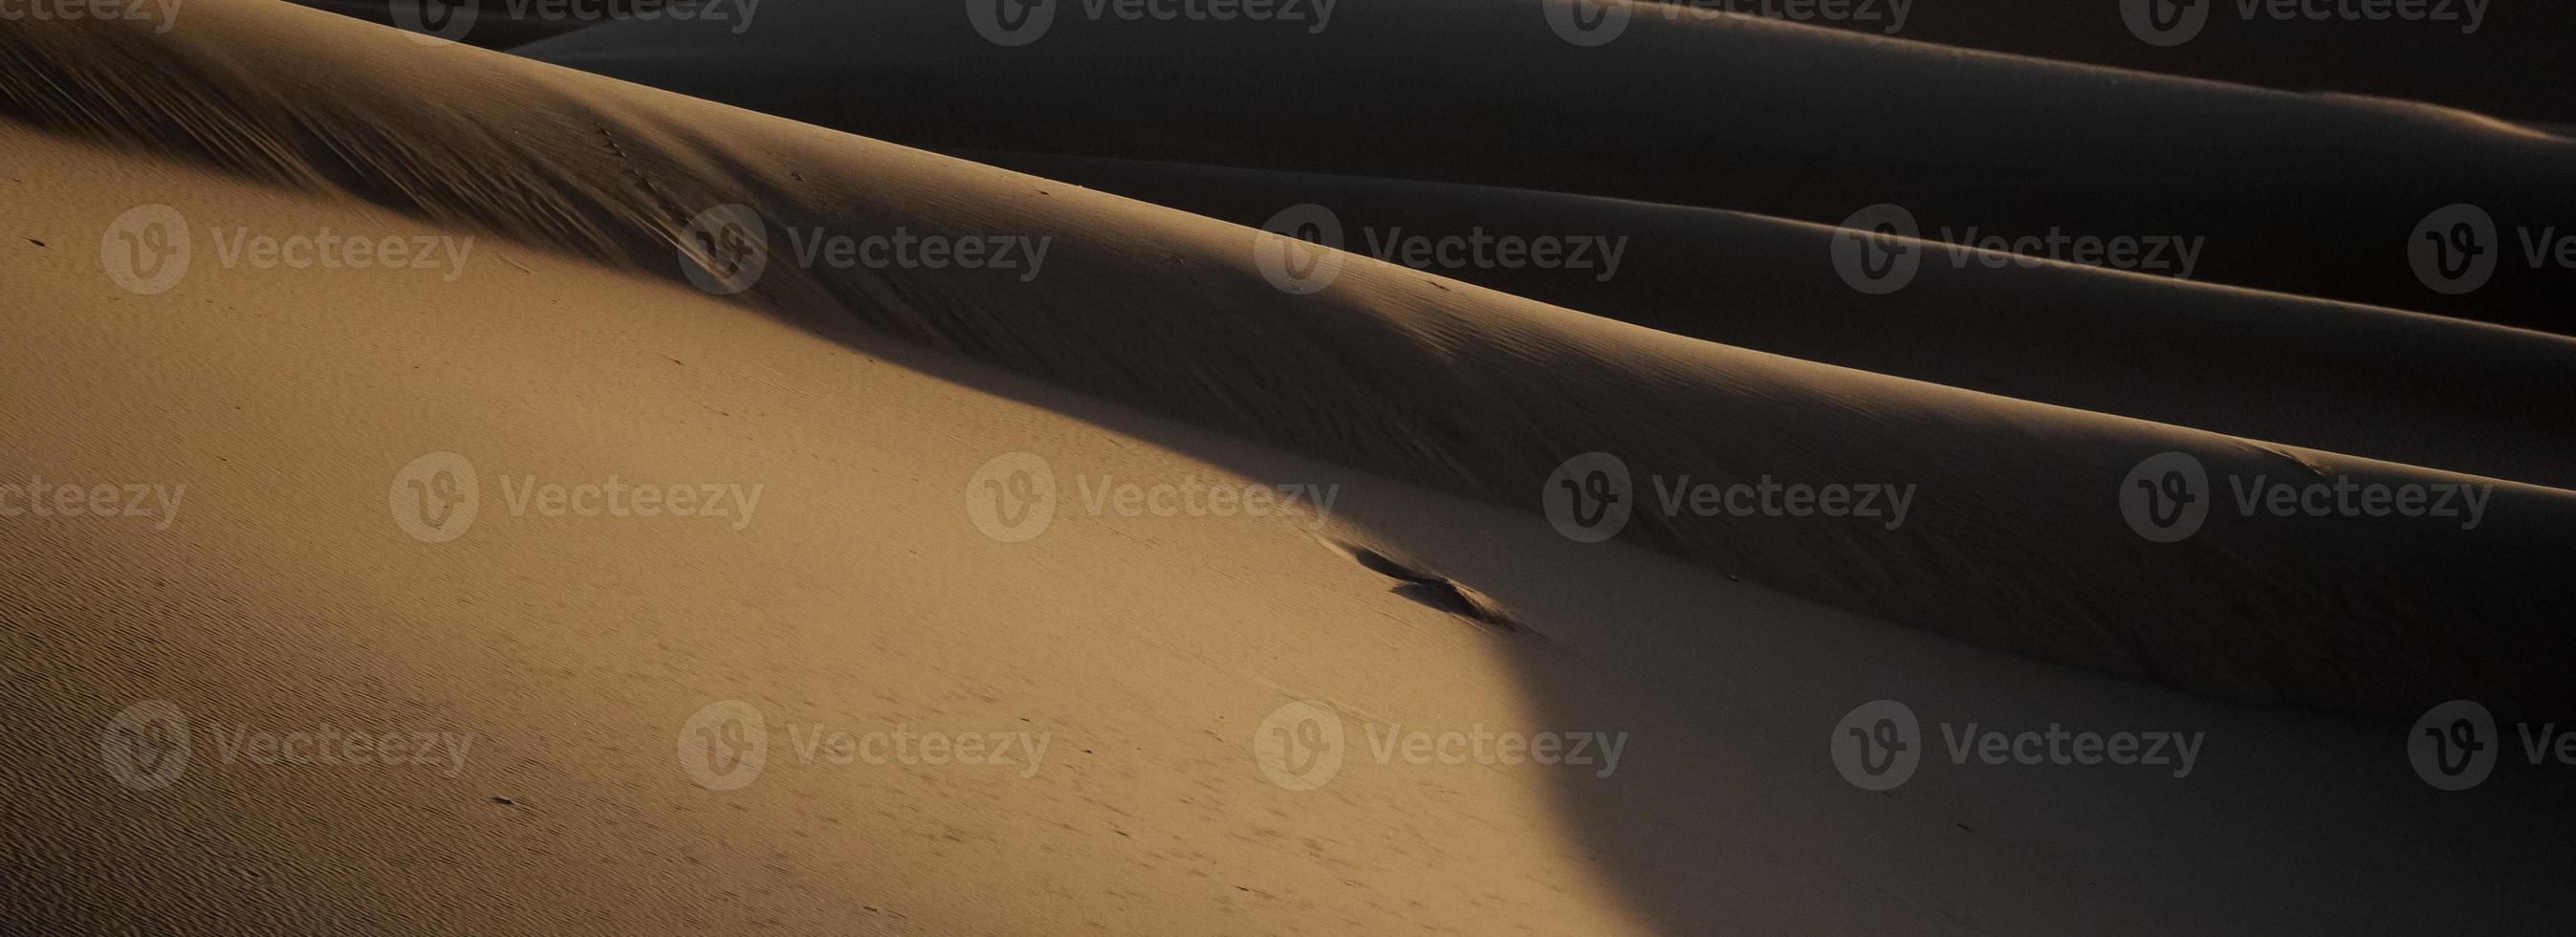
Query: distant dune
2358,380
1717,112
2469,54
641,307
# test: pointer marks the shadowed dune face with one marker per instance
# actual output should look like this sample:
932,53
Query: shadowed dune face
1491,529
1719,112
2408,388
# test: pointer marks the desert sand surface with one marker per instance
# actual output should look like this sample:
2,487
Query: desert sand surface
623,719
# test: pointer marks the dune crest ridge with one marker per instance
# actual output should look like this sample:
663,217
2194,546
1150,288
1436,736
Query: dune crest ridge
1388,369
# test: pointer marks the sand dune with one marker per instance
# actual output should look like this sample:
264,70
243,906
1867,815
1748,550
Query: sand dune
571,651
1717,112
2477,56
2364,381
1155,654
1497,392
